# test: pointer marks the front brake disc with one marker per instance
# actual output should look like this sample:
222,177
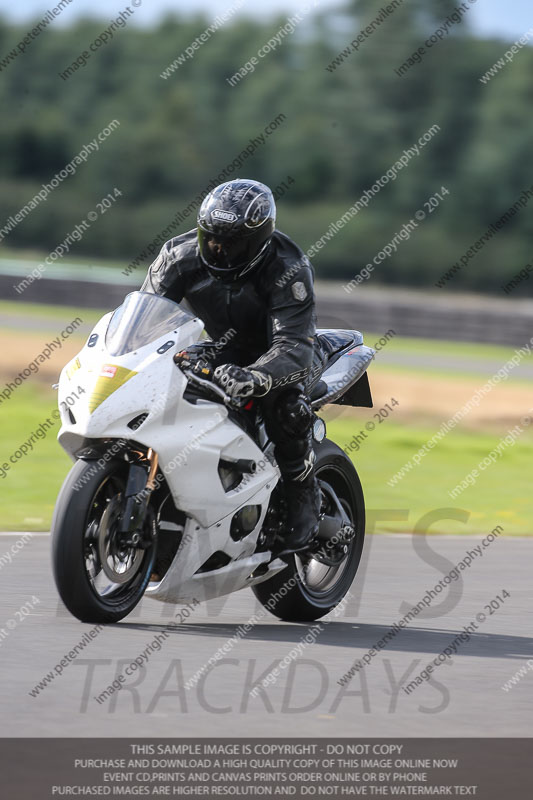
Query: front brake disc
120,564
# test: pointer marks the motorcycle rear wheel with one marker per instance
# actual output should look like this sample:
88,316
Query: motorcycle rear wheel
309,589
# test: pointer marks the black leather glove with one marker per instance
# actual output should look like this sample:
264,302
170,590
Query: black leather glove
240,382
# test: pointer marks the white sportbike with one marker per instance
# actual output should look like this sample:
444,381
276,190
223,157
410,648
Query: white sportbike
175,493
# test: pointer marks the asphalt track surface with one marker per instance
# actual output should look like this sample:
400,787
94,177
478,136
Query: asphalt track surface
465,697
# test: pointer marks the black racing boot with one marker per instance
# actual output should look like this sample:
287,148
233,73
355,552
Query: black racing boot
290,428
303,511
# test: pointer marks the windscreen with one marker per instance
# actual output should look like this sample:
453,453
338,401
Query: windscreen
142,318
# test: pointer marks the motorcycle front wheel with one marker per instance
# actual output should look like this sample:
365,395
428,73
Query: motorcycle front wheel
99,579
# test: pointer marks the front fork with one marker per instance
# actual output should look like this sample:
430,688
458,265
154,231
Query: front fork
140,485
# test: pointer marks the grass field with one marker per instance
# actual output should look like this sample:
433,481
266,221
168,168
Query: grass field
501,495
52,314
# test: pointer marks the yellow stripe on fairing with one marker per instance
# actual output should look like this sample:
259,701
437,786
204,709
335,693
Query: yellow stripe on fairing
104,387
73,367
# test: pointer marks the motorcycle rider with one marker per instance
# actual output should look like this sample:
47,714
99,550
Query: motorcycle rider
253,288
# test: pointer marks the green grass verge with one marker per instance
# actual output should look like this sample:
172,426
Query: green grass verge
480,379
488,357
501,496
59,315
30,488
442,347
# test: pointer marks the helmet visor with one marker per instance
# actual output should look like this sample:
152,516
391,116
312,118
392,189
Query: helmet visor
225,252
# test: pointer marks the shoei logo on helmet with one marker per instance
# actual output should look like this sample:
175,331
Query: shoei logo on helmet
225,216
108,371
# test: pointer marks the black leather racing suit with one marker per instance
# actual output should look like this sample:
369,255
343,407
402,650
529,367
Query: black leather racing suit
266,321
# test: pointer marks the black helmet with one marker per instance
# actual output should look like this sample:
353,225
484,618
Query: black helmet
235,225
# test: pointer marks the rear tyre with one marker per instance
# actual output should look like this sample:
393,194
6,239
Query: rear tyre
309,588
99,580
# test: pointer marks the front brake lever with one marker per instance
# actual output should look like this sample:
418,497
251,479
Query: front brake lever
228,401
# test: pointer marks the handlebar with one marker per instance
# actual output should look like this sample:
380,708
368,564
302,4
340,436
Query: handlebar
229,401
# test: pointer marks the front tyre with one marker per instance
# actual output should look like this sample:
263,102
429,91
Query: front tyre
99,579
312,587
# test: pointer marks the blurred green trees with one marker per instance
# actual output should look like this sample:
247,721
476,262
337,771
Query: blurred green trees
345,127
